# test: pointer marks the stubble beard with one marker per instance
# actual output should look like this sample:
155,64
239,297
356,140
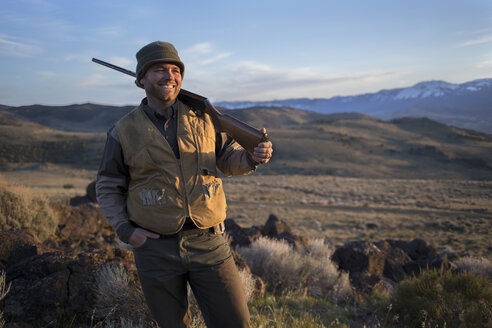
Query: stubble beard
164,96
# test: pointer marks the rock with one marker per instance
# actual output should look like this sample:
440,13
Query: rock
49,286
240,237
294,240
418,249
240,262
17,245
89,197
17,325
360,257
395,264
275,226
81,227
380,264
366,283
53,287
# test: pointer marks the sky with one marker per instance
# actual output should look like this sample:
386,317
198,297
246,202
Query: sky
240,50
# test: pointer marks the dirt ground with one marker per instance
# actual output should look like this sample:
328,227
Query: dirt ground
451,214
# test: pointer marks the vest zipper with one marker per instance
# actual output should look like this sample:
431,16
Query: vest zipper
180,168
183,184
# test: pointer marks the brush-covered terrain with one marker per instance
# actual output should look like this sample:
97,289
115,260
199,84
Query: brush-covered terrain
307,143
334,179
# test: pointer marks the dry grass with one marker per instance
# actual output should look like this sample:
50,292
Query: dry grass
51,179
286,270
21,207
4,290
118,298
479,266
452,214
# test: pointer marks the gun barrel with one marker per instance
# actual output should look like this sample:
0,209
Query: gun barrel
101,62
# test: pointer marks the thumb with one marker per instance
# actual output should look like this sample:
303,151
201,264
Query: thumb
152,235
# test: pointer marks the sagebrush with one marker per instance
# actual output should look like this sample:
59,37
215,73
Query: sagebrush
479,266
24,208
121,302
4,290
285,269
444,299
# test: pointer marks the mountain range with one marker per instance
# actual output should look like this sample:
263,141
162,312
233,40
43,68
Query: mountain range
467,105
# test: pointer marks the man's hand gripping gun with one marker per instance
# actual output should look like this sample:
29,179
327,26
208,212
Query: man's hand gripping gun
246,135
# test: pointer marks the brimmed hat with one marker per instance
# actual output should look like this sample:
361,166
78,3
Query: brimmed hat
157,51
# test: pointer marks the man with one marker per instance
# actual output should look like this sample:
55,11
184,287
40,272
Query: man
157,186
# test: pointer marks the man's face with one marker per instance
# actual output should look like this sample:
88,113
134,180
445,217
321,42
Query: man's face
162,82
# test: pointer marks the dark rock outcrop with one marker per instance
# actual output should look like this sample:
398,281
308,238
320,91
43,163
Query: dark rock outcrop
17,245
240,237
81,227
50,286
384,263
89,197
274,228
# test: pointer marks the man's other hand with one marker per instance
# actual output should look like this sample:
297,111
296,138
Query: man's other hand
139,237
263,152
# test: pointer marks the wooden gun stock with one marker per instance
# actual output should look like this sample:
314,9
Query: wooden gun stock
244,134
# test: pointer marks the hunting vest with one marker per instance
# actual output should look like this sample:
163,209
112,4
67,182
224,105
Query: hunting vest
163,190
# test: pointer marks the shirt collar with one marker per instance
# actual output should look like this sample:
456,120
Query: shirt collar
168,111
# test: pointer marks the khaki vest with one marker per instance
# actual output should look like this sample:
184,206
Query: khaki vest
163,190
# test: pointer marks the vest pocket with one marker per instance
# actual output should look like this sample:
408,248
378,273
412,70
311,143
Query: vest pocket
211,189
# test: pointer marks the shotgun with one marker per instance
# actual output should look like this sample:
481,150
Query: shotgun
245,135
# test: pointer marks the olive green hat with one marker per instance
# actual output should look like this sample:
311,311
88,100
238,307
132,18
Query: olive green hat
157,51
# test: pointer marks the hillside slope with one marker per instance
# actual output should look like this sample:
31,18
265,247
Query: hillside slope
346,144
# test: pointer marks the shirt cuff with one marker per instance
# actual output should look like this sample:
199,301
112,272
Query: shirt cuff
125,230
251,161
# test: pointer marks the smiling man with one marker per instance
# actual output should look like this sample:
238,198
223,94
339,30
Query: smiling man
158,187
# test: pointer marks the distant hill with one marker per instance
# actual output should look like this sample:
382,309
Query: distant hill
467,105
305,142
83,117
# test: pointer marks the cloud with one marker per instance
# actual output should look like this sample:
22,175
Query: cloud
110,31
215,58
203,54
485,64
11,46
122,62
46,74
256,81
102,81
199,49
94,80
474,42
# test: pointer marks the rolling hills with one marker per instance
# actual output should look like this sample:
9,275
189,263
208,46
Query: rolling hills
305,142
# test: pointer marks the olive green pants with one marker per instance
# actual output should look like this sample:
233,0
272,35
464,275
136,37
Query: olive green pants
202,259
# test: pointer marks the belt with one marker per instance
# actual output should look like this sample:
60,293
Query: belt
189,227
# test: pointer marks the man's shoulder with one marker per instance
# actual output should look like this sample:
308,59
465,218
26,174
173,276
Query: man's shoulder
128,116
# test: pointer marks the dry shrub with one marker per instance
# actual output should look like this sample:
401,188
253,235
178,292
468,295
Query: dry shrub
286,270
4,290
119,298
444,299
248,283
479,266
21,207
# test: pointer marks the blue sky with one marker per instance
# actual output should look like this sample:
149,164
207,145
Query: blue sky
240,50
